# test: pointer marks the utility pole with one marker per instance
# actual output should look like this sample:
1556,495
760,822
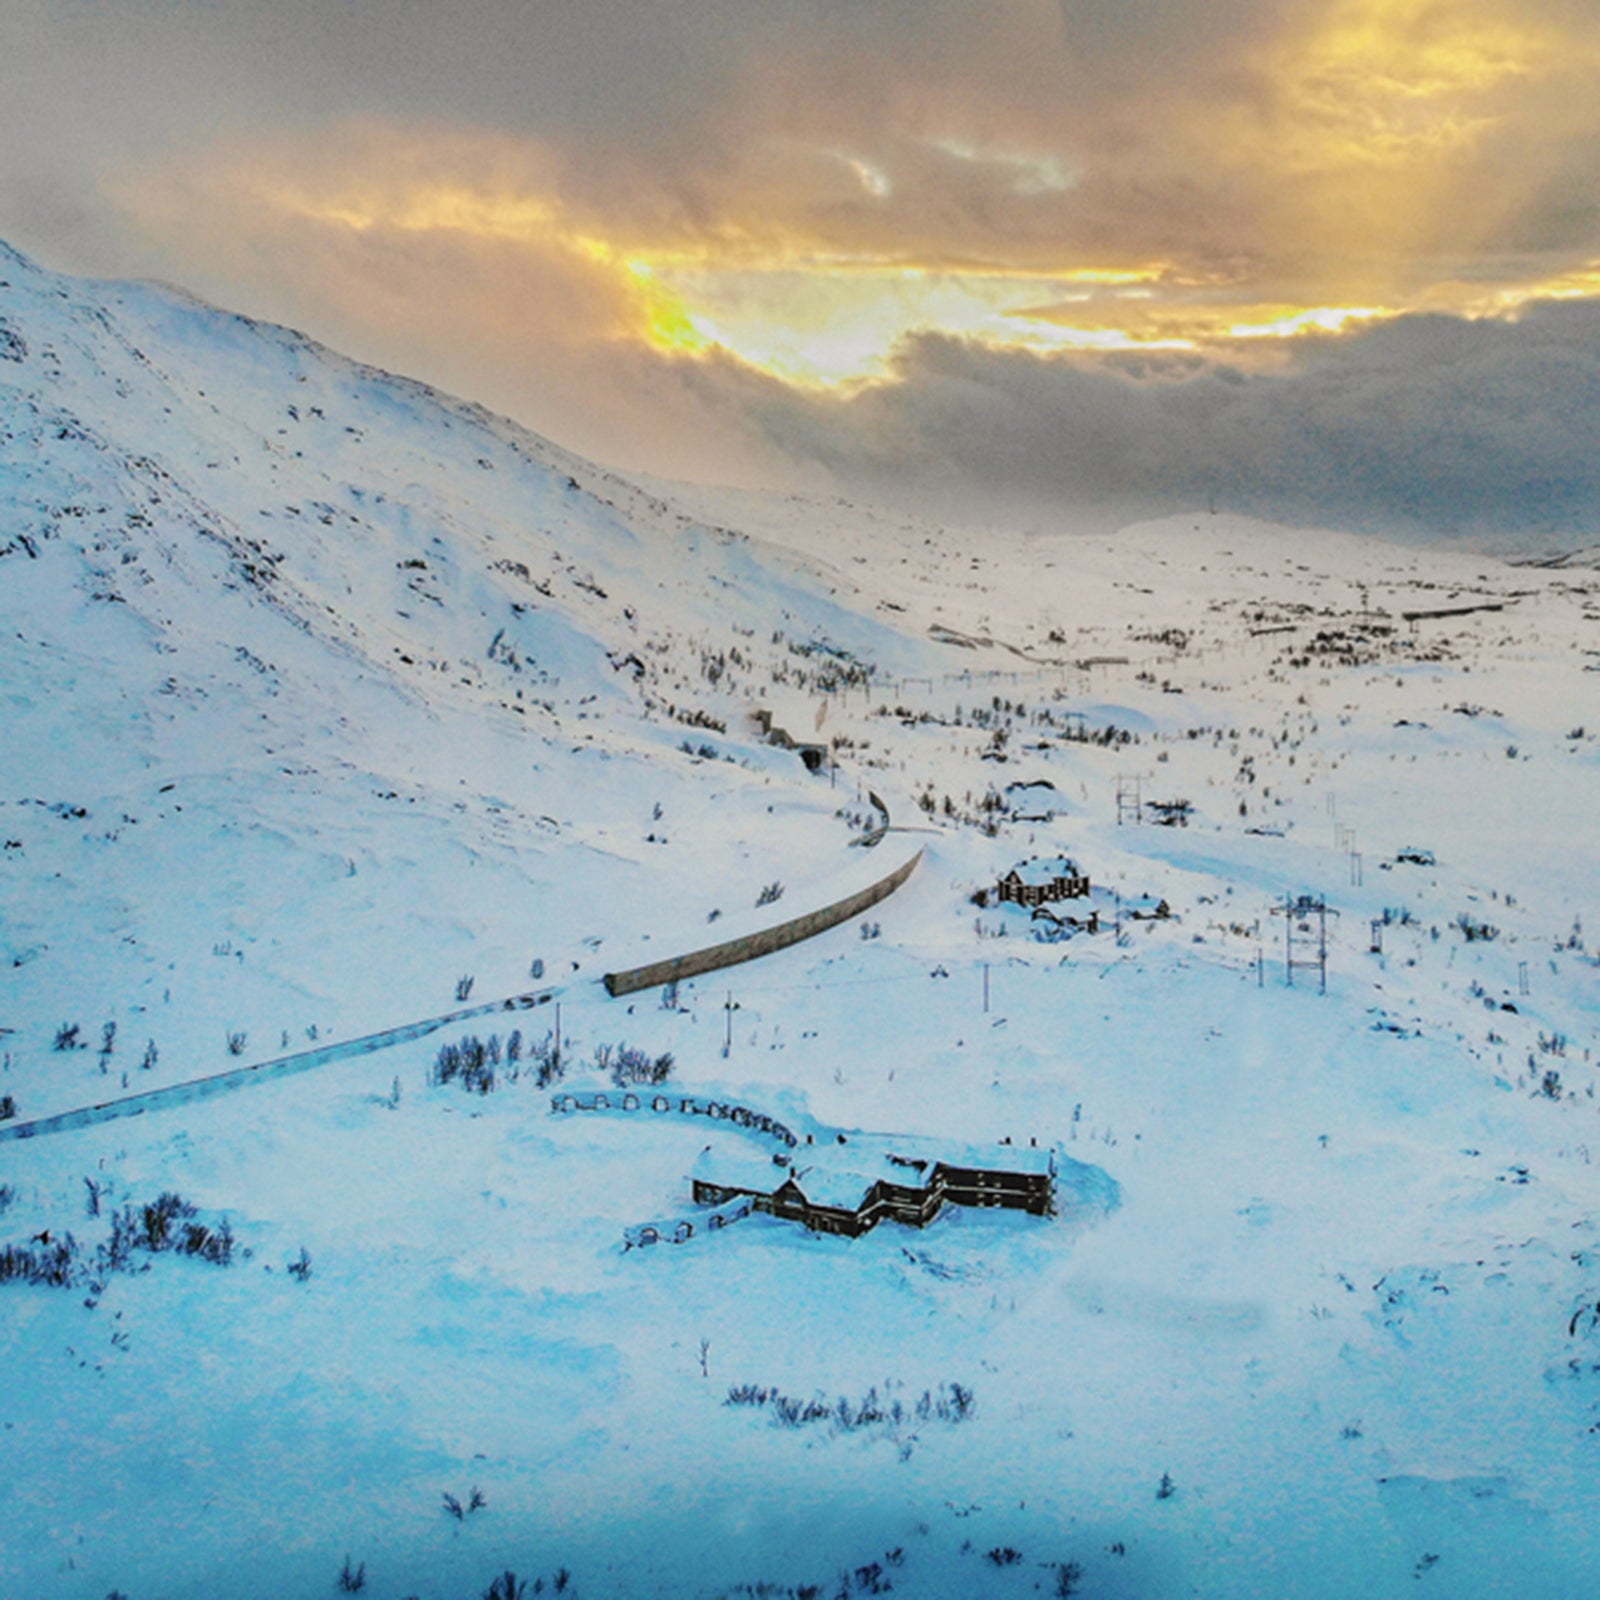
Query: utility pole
1130,802
1298,915
727,1036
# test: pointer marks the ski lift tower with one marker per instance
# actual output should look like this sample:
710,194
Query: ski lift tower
1305,937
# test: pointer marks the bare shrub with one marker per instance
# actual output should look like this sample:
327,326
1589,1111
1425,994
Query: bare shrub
628,1065
545,1059
952,1403
470,1063
48,1261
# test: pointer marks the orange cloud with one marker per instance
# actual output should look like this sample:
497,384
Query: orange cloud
1351,163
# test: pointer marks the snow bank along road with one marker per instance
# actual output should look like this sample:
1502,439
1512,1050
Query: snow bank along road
761,941
220,1083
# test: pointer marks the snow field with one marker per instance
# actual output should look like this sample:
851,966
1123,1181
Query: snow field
1339,1300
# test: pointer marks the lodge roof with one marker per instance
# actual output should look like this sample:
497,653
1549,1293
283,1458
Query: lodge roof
842,1174
827,1184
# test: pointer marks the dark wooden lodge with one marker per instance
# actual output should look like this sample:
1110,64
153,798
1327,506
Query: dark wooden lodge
1036,882
850,1191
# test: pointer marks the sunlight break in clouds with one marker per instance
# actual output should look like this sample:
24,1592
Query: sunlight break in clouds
1376,82
779,301
646,235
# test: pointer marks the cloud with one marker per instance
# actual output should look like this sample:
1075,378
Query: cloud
497,290
1425,426
1289,142
654,230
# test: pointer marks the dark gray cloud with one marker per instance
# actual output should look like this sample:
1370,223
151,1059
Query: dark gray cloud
1168,114
1427,426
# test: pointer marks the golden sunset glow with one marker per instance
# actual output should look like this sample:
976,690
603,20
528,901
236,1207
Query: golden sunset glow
814,318
1319,319
1375,82
818,322
1345,173
1581,283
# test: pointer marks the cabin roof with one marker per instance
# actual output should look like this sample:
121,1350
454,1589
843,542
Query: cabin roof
1038,797
1023,1160
1046,869
733,1164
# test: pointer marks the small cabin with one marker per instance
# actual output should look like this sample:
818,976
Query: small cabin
1036,800
1033,883
814,756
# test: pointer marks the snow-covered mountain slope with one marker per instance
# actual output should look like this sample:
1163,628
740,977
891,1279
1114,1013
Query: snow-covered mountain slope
323,692
281,631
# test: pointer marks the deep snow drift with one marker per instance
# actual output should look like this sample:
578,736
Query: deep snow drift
332,703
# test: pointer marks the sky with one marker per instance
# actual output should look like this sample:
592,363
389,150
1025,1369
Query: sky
1325,260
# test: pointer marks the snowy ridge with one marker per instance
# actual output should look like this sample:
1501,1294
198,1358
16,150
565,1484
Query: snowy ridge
167,579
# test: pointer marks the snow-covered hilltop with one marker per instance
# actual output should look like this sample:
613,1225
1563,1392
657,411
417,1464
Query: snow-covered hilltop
332,703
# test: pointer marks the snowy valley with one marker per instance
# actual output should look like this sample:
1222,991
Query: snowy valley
331,704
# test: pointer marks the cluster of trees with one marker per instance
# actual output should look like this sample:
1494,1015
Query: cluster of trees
627,1065
950,1402
169,1224
476,1064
